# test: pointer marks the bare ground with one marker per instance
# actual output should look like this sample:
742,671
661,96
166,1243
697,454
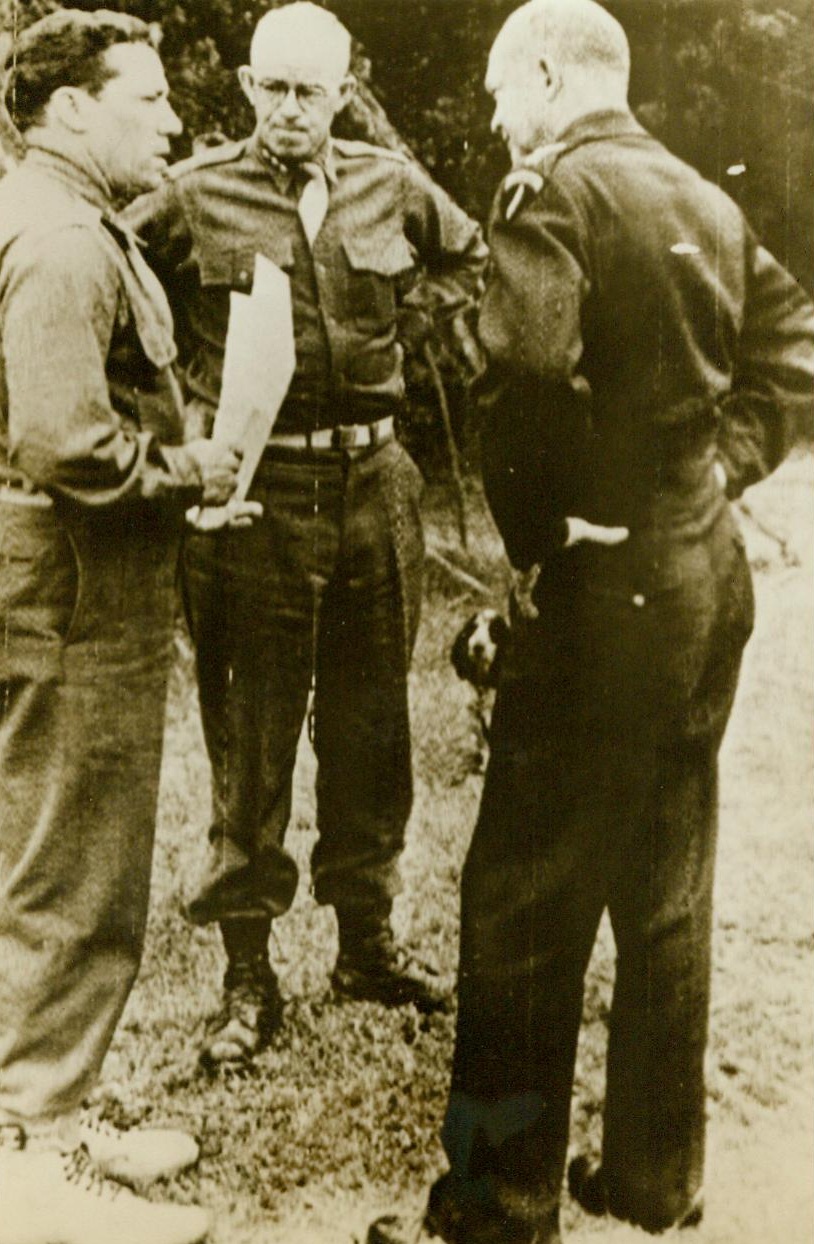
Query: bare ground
340,1119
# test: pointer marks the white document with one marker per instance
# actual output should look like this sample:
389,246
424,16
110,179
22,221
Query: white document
258,365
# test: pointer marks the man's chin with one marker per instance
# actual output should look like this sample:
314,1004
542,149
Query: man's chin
289,146
141,183
517,154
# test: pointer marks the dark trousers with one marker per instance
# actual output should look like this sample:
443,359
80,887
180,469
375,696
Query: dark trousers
601,791
324,589
87,608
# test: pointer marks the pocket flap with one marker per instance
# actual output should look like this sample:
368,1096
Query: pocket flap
386,255
235,268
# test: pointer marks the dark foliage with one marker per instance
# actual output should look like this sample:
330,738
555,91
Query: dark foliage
726,84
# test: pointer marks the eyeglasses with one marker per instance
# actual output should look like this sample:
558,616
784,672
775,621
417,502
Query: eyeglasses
306,93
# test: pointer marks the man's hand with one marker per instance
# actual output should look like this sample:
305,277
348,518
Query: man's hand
218,464
579,530
233,514
523,584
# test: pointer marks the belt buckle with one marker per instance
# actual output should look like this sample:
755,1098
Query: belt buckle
349,436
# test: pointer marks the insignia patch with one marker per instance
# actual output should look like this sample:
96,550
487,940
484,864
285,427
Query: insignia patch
530,176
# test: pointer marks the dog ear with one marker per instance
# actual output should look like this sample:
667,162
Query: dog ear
498,630
459,653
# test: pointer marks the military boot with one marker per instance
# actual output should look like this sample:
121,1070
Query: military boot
373,967
252,1008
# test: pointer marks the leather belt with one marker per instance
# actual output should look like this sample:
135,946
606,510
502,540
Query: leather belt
343,436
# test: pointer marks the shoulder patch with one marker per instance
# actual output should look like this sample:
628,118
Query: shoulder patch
207,158
529,178
354,149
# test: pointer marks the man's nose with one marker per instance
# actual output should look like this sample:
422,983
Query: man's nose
290,105
171,123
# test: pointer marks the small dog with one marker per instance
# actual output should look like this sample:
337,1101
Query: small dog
479,647
477,655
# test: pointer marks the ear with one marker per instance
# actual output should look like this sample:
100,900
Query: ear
69,106
347,90
246,79
551,76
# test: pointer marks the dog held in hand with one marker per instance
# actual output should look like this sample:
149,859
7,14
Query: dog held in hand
479,648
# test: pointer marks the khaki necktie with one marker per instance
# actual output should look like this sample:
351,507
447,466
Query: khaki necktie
313,203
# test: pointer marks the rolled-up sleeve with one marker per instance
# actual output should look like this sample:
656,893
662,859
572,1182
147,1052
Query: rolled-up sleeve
448,243
58,311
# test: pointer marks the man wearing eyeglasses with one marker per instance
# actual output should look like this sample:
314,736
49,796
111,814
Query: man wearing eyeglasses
325,591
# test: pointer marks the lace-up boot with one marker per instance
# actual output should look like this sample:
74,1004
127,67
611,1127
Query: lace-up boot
252,1008
373,967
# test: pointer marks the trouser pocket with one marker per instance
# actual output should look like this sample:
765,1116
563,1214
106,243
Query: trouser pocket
126,565
39,590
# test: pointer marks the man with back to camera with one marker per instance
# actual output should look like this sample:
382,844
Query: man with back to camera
326,589
94,483
646,360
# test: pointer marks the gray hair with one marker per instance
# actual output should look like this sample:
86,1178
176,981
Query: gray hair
574,32
304,20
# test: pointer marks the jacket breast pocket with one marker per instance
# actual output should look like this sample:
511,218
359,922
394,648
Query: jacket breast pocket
376,267
233,268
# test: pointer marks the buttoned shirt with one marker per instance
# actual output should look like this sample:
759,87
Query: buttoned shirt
636,334
387,226
86,408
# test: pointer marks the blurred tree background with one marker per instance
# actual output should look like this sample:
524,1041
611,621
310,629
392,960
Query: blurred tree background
726,84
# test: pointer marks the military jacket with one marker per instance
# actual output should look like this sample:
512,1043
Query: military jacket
86,409
386,220
636,333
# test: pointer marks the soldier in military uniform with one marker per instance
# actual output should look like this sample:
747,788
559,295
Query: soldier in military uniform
94,482
326,589
645,360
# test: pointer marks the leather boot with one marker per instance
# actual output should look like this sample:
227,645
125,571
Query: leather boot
252,1009
373,967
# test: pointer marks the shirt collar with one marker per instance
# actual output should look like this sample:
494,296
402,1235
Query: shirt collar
286,177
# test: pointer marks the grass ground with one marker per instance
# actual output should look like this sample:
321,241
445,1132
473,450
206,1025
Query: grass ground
340,1119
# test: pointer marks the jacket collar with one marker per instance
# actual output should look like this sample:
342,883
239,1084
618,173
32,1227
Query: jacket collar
610,123
76,172
91,202
529,177
287,177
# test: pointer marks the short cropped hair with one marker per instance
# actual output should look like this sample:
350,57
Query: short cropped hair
66,48
579,32
303,20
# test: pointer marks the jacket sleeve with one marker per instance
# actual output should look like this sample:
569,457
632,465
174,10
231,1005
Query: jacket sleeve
535,403
159,221
773,383
63,432
449,245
